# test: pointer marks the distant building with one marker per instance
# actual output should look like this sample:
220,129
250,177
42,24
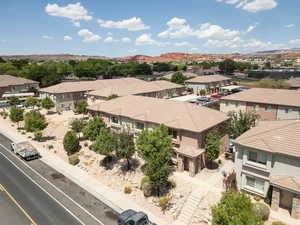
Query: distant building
267,163
188,124
269,104
294,83
209,83
11,85
65,95
156,89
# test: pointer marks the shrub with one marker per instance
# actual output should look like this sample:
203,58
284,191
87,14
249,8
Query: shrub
74,159
257,198
23,132
278,223
71,142
144,180
127,190
34,121
38,135
147,189
164,202
261,210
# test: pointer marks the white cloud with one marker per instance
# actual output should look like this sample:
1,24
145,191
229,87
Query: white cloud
47,37
109,40
257,44
133,24
181,44
125,40
295,42
146,39
250,28
252,5
290,25
178,28
109,33
72,11
194,49
132,50
76,23
233,43
67,38
88,36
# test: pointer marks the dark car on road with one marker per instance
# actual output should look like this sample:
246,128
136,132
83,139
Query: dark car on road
131,217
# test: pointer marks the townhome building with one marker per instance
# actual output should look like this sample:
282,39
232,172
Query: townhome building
269,104
209,83
267,163
65,95
16,86
188,124
156,89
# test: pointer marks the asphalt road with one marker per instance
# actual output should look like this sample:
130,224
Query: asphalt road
60,203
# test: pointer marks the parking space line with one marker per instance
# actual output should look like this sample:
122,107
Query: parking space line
17,204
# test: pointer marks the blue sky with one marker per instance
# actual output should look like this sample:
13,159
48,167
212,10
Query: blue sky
127,27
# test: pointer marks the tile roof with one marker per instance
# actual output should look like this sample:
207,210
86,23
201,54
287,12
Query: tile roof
267,96
135,88
294,82
208,79
179,115
82,86
282,137
288,182
8,80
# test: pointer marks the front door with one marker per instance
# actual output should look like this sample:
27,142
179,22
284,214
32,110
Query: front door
286,199
186,163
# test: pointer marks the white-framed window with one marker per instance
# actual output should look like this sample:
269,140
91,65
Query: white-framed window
115,120
256,107
173,133
139,126
256,183
268,108
258,157
236,104
226,103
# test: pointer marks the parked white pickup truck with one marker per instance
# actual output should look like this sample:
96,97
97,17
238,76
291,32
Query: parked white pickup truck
25,150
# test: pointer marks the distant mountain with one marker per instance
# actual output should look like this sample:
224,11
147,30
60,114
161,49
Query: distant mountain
54,57
278,52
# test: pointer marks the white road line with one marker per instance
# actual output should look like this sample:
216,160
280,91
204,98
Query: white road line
60,191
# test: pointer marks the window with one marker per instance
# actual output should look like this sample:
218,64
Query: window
255,183
139,126
256,107
258,157
142,221
114,119
173,133
226,103
236,104
268,108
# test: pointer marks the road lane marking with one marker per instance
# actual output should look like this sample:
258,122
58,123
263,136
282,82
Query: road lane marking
17,204
52,185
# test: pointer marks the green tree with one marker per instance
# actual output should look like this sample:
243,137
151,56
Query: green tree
77,126
35,121
93,128
47,103
212,146
235,208
178,78
2,60
155,147
106,143
240,122
13,101
38,135
228,66
113,96
16,115
71,142
81,107
202,92
126,147
31,102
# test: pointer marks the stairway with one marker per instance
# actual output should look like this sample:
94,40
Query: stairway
189,209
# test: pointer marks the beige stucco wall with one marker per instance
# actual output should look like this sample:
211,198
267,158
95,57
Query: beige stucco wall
293,113
232,106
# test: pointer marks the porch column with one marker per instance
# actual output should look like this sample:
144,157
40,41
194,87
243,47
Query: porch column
180,165
275,199
296,207
192,167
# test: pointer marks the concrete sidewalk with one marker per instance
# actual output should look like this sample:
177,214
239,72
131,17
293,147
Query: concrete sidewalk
113,199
